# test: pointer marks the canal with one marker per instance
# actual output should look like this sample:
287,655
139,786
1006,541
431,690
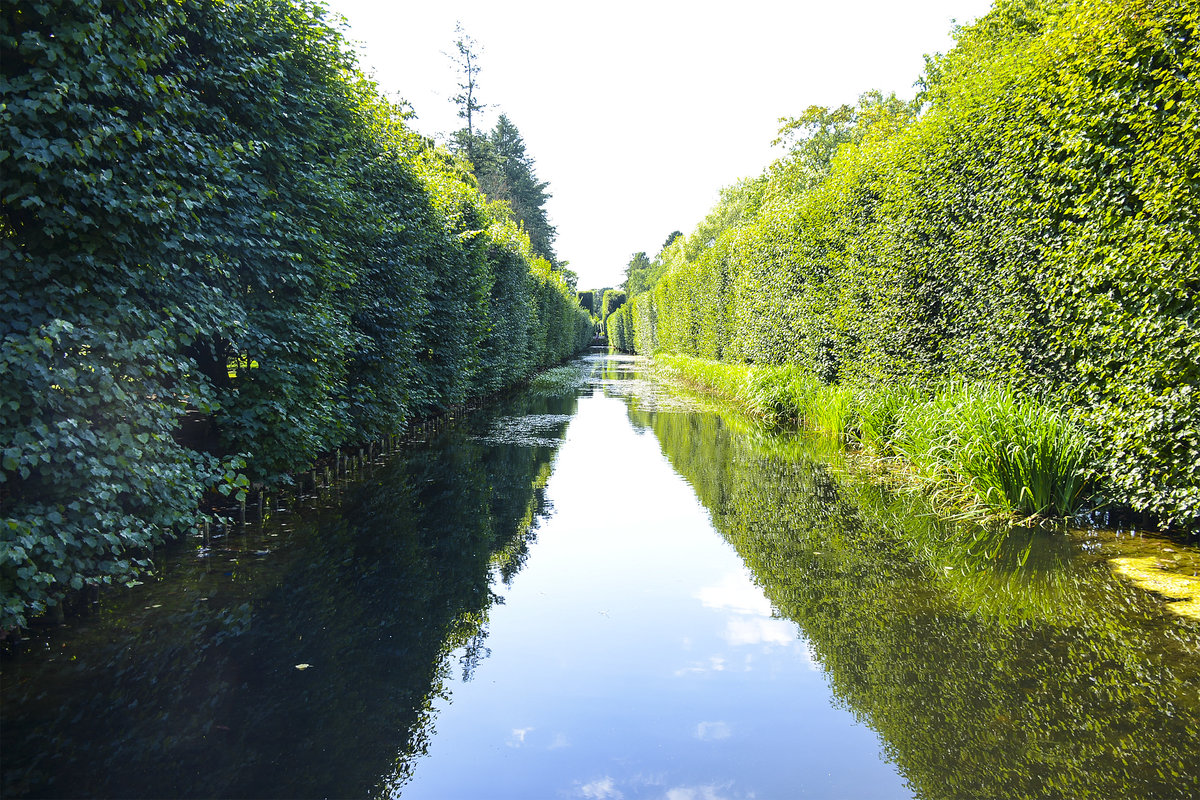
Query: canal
603,588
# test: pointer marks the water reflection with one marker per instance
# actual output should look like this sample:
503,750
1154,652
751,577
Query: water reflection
608,590
993,663
633,656
293,665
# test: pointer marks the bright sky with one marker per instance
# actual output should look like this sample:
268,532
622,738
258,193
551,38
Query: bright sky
637,113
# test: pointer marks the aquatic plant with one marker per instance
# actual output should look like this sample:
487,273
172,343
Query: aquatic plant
558,381
878,410
1017,454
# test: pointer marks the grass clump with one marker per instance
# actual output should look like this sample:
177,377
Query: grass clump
717,377
1017,454
781,395
978,443
879,414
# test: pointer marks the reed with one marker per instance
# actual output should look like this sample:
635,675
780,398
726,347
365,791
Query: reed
1017,454
834,412
1023,453
879,411
975,444
782,395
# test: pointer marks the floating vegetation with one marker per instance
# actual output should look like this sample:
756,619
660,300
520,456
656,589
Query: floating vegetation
559,381
1181,591
528,430
1163,567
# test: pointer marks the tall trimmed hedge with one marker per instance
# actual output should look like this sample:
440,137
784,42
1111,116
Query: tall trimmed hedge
224,254
1036,224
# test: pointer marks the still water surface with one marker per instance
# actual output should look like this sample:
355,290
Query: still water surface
607,591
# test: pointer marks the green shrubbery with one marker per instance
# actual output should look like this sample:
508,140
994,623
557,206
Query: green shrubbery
210,217
1032,223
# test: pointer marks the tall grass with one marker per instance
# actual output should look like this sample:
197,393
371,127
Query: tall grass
879,413
782,395
1015,453
718,377
1011,453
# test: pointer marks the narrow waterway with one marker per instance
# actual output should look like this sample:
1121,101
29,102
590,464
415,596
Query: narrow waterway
602,589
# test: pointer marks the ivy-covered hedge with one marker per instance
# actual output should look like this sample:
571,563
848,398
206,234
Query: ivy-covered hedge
1033,223
224,254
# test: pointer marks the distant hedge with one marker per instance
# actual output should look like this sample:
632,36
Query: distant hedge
1033,222
224,254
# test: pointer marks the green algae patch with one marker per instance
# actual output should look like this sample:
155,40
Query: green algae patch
1179,585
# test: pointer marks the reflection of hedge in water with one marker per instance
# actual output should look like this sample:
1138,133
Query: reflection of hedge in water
1085,692
208,703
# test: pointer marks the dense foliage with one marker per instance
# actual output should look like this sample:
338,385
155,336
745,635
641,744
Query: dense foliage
1031,221
224,254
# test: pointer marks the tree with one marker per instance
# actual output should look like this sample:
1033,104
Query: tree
636,274
813,138
506,172
569,275
467,99
739,205
503,169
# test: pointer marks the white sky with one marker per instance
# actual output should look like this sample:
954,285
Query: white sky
637,113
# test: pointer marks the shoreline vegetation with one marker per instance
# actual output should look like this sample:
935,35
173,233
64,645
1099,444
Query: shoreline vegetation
982,450
997,280
941,513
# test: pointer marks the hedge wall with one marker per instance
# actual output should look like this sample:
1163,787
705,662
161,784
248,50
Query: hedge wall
1034,222
224,254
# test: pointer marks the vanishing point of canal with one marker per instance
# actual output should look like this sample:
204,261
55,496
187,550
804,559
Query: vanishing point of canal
601,588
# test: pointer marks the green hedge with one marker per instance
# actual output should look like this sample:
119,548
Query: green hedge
224,254
1035,225
610,302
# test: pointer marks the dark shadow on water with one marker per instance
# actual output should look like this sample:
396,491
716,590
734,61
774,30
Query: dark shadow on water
297,660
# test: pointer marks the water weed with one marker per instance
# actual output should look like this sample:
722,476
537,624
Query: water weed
558,381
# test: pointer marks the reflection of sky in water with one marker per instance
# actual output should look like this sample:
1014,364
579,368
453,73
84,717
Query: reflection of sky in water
633,656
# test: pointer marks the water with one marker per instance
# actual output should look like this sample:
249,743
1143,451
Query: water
612,592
